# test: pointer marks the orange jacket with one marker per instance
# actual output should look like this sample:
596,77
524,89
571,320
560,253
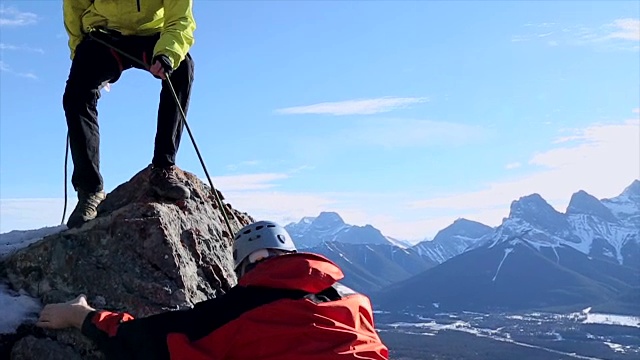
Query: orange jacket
288,307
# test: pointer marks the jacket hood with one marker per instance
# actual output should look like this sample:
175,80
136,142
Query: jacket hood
299,271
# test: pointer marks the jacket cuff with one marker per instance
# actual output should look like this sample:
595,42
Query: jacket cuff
103,323
167,66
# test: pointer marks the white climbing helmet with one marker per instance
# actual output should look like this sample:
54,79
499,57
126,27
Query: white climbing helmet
258,236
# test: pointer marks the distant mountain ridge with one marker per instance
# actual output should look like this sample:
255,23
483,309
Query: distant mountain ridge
328,227
453,240
363,251
539,258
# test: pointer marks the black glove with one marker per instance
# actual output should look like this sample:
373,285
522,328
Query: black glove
165,62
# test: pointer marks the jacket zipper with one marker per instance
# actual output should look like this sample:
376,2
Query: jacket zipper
138,1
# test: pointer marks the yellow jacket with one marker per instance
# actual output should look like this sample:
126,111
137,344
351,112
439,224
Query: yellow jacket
172,18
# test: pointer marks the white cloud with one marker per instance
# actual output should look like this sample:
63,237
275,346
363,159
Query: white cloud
10,16
354,107
389,134
246,181
5,46
602,159
626,29
636,111
414,133
620,34
513,165
242,164
4,67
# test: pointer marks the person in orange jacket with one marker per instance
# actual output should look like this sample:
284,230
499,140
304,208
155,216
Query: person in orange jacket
287,305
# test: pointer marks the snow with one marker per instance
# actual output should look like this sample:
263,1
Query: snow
556,335
611,319
588,228
616,347
16,240
345,258
17,308
622,206
381,312
506,253
587,317
481,332
557,256
403,244
579,234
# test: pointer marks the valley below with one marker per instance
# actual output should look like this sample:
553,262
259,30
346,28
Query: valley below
432,335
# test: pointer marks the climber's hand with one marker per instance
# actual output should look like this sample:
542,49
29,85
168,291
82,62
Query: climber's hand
63,315
161,67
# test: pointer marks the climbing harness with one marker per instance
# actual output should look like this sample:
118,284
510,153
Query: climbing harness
184,120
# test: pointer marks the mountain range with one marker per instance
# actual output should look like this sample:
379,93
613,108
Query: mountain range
373,261
539,258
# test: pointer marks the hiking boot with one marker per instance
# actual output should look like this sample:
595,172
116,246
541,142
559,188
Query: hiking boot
165,183
86,209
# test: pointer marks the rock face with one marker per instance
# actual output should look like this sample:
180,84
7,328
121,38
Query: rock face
141,254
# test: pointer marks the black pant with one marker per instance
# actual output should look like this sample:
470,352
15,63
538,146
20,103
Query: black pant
93,64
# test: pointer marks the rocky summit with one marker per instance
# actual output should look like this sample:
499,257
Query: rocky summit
141,254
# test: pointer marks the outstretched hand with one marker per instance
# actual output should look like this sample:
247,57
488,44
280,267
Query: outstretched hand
63,315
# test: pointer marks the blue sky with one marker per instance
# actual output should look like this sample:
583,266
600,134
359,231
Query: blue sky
404,115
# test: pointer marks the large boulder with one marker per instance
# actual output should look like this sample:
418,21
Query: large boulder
141,254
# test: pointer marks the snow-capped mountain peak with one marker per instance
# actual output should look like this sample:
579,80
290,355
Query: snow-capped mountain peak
328,227
584,203
632,191
589,225
626,206
453,240
536,211
328,220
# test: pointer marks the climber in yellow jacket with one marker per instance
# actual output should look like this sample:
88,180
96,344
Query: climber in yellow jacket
159,34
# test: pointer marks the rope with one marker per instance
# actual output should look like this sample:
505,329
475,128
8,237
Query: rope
184,119
66,161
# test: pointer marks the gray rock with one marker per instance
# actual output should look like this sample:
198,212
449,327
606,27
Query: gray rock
32,348
142,255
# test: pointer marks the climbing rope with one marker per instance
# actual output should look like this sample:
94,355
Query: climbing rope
184,119
66,160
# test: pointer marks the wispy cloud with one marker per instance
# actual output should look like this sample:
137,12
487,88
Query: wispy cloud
11,47
248,163
11,16
513,165
4,67
626,29
582,161
387,133
354,107
636,111
414,133
247,181
620,34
